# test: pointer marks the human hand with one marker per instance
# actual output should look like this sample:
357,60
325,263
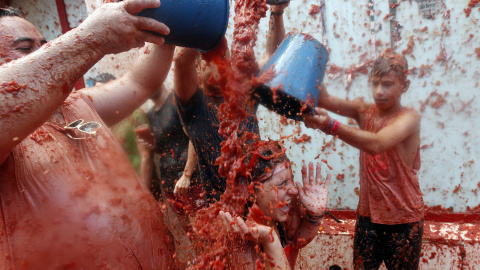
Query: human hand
249,230
314,193
182,185
319,120
144,147
115,28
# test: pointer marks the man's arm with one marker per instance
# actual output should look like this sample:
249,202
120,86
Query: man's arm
146,163
185,76
276,33
119,98
403,126
34,86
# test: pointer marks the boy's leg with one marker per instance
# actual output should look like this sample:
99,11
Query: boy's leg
404,246
367,246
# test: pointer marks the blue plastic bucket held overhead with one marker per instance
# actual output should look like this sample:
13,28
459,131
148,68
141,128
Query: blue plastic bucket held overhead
199,24
299,64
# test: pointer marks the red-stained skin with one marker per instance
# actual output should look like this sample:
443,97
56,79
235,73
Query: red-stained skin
20,39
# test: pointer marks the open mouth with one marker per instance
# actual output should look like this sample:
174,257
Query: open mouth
286,207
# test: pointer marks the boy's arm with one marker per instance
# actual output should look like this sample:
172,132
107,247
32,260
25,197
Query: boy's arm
185,76
343,107
400,128
117,99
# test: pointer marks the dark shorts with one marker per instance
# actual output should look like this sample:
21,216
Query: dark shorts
399,246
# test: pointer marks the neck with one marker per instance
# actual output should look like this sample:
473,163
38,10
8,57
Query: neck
387,112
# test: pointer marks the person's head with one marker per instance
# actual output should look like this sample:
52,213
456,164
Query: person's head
205,81
268,169
18,37
388,79
208,72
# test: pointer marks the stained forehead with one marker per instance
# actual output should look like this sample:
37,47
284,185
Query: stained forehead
284,173
391,75
16,27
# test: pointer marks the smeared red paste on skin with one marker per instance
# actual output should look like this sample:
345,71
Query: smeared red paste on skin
12,87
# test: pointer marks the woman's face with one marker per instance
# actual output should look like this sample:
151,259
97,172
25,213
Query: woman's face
275,198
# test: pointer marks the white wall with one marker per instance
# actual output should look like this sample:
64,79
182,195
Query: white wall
450,174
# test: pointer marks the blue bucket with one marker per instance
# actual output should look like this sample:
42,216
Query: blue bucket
299,64
198,24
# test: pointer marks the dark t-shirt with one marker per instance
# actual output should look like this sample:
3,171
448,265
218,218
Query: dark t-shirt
199,116
171,145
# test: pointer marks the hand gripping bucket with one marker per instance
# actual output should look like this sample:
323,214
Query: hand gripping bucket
198,24
299,65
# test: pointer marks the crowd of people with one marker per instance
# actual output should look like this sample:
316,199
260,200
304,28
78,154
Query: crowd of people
70,197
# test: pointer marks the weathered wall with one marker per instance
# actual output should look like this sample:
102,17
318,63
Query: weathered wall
443,53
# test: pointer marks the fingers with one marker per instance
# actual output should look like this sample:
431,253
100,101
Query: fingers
304,175
327,181
311,175
180,188
318,174
151,25
135,6
301,193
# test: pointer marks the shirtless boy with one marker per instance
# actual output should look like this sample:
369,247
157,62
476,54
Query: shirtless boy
390,210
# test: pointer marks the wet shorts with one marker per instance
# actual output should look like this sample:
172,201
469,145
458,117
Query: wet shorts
399,246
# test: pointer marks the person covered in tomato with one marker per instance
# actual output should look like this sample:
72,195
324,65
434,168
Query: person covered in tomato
268,175
69,197
198,102
165,163
390,216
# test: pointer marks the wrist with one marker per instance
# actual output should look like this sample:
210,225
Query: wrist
332,127
313,218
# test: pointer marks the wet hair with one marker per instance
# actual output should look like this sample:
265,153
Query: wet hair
390,61
103,78
260,160
11,12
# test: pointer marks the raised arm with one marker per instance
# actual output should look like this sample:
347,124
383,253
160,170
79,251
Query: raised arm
264,235
182,185
314,197
402,127
119,98
34,86
185,78
343,107
276,33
